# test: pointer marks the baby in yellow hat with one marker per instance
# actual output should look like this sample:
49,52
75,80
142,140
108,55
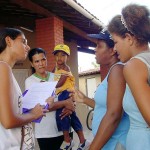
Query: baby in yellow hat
66,82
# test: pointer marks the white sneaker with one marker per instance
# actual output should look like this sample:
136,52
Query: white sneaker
84,146
66,146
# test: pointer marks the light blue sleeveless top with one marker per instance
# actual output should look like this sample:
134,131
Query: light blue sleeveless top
100,109
138,137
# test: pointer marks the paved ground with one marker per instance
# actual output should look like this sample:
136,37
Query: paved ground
88,136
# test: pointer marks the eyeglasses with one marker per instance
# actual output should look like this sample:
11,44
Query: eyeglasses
24,41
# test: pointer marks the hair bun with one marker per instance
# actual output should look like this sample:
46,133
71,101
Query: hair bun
137,20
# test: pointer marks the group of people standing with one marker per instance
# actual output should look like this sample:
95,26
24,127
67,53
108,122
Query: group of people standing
121,103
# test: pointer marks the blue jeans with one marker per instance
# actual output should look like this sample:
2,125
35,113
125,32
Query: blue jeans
69,121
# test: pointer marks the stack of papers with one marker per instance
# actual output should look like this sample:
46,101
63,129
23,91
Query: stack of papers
38,93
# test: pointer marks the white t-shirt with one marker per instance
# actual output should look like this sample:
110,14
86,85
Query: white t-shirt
10,139
47,128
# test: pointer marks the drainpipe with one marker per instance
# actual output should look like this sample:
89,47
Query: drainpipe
84,12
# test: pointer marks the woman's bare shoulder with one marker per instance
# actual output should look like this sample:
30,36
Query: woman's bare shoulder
4,69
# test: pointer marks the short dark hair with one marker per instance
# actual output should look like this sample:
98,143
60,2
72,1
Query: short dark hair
34,51
13,33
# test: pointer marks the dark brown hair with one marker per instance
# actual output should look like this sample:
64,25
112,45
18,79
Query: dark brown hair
11,32
137,20
33,52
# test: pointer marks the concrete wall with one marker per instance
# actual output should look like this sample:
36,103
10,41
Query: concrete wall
73,60
82,81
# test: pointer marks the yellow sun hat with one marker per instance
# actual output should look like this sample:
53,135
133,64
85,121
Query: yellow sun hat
62,47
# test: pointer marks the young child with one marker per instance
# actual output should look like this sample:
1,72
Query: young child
66,82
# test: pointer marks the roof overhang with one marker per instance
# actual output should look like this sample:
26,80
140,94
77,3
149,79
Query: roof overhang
77,25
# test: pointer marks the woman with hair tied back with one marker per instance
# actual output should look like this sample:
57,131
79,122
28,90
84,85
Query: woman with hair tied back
131,34
16,131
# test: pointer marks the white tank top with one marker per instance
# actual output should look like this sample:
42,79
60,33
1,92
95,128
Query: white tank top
10,139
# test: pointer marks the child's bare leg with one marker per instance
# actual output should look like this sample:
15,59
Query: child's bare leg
81,136
66,136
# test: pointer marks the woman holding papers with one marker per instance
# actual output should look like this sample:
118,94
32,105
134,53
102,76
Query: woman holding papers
15,127
46,131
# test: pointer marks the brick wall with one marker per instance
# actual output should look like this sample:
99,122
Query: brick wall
49,32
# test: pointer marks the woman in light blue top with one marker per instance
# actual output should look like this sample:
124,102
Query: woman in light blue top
131,34
110,123
102,108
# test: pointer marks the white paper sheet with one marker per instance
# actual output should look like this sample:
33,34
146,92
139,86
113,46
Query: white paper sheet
38,93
